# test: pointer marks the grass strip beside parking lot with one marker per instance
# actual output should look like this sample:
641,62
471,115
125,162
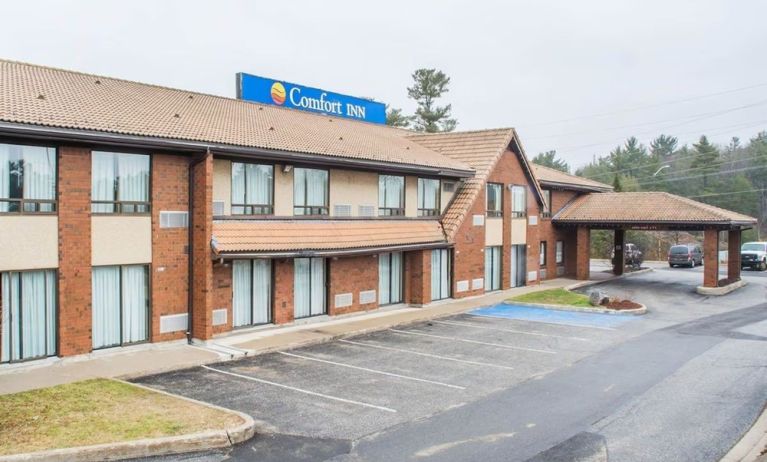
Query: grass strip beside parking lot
98,411
553,297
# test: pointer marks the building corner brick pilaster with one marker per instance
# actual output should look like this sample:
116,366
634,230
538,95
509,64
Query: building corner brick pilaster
202,264
711,258
582,253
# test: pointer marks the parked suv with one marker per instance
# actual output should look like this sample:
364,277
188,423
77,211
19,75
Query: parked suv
685,255
754,255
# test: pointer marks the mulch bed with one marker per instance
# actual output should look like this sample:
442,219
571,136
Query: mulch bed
622,305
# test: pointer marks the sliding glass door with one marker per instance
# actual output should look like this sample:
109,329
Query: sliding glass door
440,274
493,268
390,278
251,292
518,265
28,315
120,305
309,287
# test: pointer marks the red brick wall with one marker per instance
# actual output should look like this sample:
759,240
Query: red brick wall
582,253
202,268
468,254
417,277
283,291
74,191
170,192
547,232
711,258
222,294
352,274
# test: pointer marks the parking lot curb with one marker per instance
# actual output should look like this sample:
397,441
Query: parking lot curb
167,445
750,446
716,291
581,309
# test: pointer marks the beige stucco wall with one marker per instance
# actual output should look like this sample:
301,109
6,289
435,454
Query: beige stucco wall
446,197
518,231
493,231
222,183
411,196
121,240
283,192
353,188
29,242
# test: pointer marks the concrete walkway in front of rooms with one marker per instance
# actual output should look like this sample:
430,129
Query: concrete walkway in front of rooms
148,359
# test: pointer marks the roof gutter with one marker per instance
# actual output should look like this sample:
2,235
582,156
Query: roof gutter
574,187
135,141
331,252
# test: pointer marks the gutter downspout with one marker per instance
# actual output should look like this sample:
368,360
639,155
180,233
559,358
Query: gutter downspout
190,243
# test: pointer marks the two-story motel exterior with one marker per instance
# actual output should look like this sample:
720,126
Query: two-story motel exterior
132,213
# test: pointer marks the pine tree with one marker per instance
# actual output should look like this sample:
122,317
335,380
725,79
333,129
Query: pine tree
549,159
429,85
663,146
706,161
395,118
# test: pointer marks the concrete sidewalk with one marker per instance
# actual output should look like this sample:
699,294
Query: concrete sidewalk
162,357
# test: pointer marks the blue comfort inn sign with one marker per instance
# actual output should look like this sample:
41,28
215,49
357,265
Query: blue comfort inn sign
286,94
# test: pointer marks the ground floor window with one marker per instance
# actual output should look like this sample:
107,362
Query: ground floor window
440,274
542,254
309,287
560,253
28,315
120,305
493,268
518,264
390,278
251,292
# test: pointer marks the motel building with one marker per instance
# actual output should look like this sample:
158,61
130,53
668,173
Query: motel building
133,213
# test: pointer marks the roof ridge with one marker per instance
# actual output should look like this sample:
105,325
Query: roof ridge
198,93
463,132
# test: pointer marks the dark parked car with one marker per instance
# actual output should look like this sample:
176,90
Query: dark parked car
685,255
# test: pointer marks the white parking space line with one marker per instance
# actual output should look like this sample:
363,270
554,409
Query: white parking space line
458,339
561,324
301,390
513,331
427,355
373,371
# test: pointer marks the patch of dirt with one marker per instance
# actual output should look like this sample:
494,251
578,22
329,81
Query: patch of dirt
621,305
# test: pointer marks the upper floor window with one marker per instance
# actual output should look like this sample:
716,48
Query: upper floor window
27,179
428,197
546,203
310,191
120,182
391,195
518,202
494,200
252,186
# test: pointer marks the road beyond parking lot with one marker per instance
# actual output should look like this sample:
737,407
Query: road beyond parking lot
681,383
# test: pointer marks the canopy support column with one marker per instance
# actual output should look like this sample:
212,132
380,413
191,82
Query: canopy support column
733,254
619,261
711,258
583,253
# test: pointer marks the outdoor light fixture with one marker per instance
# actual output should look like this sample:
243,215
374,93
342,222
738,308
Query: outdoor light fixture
287,168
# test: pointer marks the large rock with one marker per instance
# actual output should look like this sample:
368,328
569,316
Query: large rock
596,297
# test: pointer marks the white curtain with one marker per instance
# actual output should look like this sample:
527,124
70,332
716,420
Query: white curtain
5,176
396,277
102,181
262,291
488,268
318,286
384,278
133,173
134,304
492,268
259,184
560,256
301,284
436,268
106,306
518,199
299,187
241,293
238,186
428,191
40,174
33,333
50,310
391,191
317,187
28,315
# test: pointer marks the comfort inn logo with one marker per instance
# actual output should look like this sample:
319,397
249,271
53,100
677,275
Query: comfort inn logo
278,93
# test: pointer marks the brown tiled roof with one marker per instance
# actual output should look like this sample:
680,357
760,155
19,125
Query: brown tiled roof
236,236
45,96
645,207
479,149
551,177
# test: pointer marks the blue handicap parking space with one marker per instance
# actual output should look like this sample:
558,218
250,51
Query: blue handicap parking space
570,318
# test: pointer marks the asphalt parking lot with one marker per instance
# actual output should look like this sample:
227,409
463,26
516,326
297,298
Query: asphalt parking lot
354,387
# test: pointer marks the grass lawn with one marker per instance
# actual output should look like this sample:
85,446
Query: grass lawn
553,297
98,411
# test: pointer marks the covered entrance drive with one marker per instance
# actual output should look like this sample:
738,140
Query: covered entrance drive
655,211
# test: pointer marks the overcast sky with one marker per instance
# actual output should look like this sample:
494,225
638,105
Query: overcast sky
682,67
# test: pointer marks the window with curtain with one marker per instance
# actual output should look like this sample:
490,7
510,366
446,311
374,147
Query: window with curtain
251,292
428,197
542,254
119,182
309,287
310,191
547,203
492,268
252,186
391,195
518,201
494,200
390,278
28,315
440,274
27,179
120,305
560,253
